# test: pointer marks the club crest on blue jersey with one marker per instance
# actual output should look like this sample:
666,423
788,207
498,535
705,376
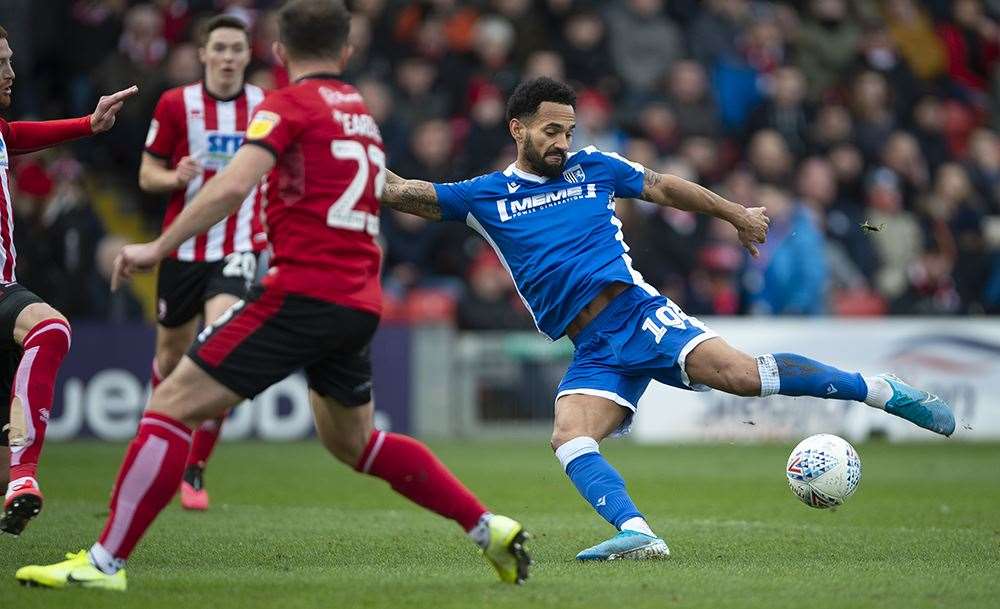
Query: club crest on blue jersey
575,174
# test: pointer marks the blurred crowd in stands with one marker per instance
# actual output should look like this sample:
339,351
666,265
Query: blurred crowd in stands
866,127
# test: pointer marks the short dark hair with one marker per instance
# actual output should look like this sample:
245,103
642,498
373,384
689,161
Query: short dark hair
530,94
3,32
206,27
314,28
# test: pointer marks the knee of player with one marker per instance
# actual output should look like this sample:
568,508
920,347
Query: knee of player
563,434
168,399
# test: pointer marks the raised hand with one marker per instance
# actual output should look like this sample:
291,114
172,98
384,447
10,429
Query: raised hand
752,229
108,106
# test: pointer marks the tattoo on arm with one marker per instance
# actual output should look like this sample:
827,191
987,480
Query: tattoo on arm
411,196
652,190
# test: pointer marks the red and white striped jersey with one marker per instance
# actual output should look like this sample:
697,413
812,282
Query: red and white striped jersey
19,138
7,252
190,121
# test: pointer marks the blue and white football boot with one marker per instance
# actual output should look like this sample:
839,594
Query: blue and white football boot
627,545
919,407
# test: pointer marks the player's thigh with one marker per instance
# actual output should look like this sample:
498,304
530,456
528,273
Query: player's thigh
344,430
583,415
218,304
172,342
721,366
191,396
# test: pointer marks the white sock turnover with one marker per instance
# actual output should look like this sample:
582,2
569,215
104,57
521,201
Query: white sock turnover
639,525
879,392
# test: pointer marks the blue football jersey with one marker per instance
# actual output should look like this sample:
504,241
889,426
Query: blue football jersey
558,237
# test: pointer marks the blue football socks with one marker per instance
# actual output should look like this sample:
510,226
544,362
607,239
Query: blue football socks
791,374
599,483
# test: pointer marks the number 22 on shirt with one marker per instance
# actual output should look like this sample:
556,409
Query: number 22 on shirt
342,213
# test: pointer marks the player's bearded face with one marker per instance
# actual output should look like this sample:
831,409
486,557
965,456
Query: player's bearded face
546,159
6,74
547,138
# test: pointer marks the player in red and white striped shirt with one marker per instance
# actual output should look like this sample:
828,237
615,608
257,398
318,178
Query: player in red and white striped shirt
34,337
195,131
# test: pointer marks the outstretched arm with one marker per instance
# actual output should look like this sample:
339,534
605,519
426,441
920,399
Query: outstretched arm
672,191
411,196
29,136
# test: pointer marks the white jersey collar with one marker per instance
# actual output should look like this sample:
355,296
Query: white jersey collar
524,175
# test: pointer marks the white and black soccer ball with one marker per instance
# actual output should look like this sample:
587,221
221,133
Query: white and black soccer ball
823,470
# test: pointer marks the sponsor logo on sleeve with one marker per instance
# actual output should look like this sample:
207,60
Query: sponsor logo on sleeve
262,125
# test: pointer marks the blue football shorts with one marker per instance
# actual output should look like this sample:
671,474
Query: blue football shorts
638,337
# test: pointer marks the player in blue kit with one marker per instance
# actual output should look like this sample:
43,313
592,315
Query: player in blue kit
550,216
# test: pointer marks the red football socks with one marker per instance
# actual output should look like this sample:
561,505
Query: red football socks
415,473
44,346
147,480
204,441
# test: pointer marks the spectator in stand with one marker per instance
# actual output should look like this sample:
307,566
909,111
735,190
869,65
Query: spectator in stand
901,154
716,32
691,101
490,302
900,241
138,59
116,307
874,120
849,166
984,168
494,45
417,97
594,126
644,43
770,158
878,53
972,43
913,31
849,253
953,218
658,124
487,132
827,41
833,126
585,50
785,111
928,128
545,63
789,277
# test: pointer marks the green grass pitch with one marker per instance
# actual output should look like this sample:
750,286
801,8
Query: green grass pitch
291,528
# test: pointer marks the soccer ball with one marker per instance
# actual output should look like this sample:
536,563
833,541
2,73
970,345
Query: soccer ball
823,470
